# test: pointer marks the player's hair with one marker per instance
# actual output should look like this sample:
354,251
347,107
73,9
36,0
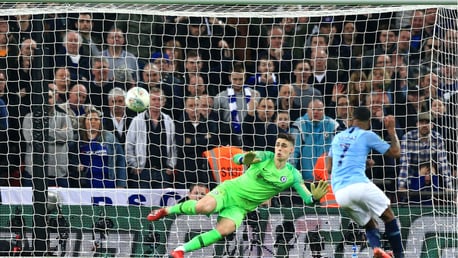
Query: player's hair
287,137
361,114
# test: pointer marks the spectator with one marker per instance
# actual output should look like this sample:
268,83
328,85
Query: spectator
386,45
323,79
429,56
233,105
212,39
23,88
314,132
193,136
305,92
25,26
343,112
193,66
283,122
196,192
276,52
150,77
117,56
76,106
150,146
196,86
406,112
69,55
449,81
265,81
423,146
174,51
117,121
417,26
259,131
358,89
206,103
102,159
405,51
100,85
285,102
347,50
90,46
60,131
61,83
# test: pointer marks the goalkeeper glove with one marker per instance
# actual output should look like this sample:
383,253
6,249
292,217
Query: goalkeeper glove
320,190
250,158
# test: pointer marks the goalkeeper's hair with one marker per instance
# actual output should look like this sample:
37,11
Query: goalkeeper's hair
287,137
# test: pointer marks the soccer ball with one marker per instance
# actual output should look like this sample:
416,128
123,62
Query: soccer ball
137,99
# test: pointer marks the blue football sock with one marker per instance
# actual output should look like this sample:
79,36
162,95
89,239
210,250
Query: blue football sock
373,237
394,236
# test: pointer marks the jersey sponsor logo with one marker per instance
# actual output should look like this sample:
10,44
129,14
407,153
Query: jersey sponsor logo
283,179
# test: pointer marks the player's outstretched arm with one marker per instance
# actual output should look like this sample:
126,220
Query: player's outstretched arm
247,158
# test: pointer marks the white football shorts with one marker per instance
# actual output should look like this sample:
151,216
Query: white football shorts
362,201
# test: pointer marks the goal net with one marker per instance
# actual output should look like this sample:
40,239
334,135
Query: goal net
79,171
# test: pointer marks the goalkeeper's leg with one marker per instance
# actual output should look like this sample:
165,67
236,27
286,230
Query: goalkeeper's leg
206,205
224,227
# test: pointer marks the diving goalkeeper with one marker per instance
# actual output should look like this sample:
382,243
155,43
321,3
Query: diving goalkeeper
268,175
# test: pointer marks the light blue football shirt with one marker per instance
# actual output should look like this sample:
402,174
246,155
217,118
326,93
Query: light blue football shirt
349,151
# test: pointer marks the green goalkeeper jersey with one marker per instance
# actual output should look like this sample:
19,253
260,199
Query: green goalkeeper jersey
263,180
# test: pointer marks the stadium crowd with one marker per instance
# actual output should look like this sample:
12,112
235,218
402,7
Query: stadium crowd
224,82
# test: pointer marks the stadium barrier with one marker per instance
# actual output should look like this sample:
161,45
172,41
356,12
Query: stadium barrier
119,224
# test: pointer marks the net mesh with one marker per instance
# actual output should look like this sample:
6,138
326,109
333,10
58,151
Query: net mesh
218,76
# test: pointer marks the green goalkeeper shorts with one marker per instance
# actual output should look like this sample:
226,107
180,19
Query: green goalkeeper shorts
227,206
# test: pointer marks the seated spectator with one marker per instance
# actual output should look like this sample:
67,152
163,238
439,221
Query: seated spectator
420,146
60,131
102,159
314,133
259,131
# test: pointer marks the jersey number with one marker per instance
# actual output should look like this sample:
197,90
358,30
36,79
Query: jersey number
345,147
